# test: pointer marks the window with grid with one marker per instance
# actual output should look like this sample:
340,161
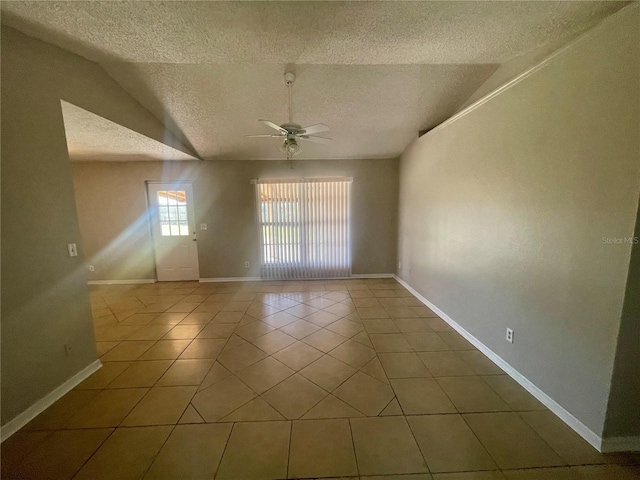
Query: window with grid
303,226
172,209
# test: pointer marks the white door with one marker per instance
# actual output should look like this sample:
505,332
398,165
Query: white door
174,231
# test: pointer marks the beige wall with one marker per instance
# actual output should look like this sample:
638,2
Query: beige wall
44,293
503,214
115,235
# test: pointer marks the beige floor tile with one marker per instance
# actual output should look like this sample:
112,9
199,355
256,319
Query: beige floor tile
126,454
324,340
215,375
455,341
107,409
141,374
327,372
558,473
446,364
260,310
273,342
332,407
169,318
222,398
340,309
389,342
300,329
401,312
321,448
240,306
127,350
263,375
511,442
372,312
608,472
412,325
298,355
139,319
512,393
253,330
104,347
197,319
320,302
191,452
566,443
280,319
380,325
114,333
385,445
190,415
322,318
104,376
421,396
374,369
365,394
183,332
426,342
150,332
183,307
165,350
301,310
438,325
493,475
256,451
353,353
214,330
392,409
366,302
186,372
294,396
62,410
257,410
241,357
480,363
403,365
472,394
449,445
228,317
345,327
204,348
160,406
59,456
18,447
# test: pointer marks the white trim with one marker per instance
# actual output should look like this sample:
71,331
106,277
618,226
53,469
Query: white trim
620,444
15,424
122,282
230,279
580,428
373,275
528,72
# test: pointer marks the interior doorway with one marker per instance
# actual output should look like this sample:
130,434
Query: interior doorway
173,229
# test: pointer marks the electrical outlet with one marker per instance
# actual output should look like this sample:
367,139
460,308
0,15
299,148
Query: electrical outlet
509,335
246,264
92,268
203,226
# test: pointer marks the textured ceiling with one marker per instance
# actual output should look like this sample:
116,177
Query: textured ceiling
375,72
91,137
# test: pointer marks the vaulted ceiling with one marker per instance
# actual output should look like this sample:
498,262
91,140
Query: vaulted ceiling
375,72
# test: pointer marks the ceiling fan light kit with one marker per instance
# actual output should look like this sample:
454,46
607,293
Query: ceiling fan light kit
291,132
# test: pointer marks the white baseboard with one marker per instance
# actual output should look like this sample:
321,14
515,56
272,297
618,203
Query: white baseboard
579,427
373,275
259,279
230,279
12,426
620,444
122,282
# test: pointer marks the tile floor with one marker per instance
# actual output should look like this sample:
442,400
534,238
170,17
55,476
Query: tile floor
271,380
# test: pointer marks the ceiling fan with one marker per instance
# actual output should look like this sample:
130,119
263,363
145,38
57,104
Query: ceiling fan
291,132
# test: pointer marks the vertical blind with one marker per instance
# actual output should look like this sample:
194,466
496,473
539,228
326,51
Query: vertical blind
303,226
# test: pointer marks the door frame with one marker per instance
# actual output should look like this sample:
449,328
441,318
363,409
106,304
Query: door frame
150,219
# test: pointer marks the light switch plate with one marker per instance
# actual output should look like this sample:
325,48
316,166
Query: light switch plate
203,226
73,249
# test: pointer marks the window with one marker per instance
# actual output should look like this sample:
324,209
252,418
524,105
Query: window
304,227
172,209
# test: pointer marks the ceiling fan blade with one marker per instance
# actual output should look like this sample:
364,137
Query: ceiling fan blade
315,139
264,136
274,126
317,128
